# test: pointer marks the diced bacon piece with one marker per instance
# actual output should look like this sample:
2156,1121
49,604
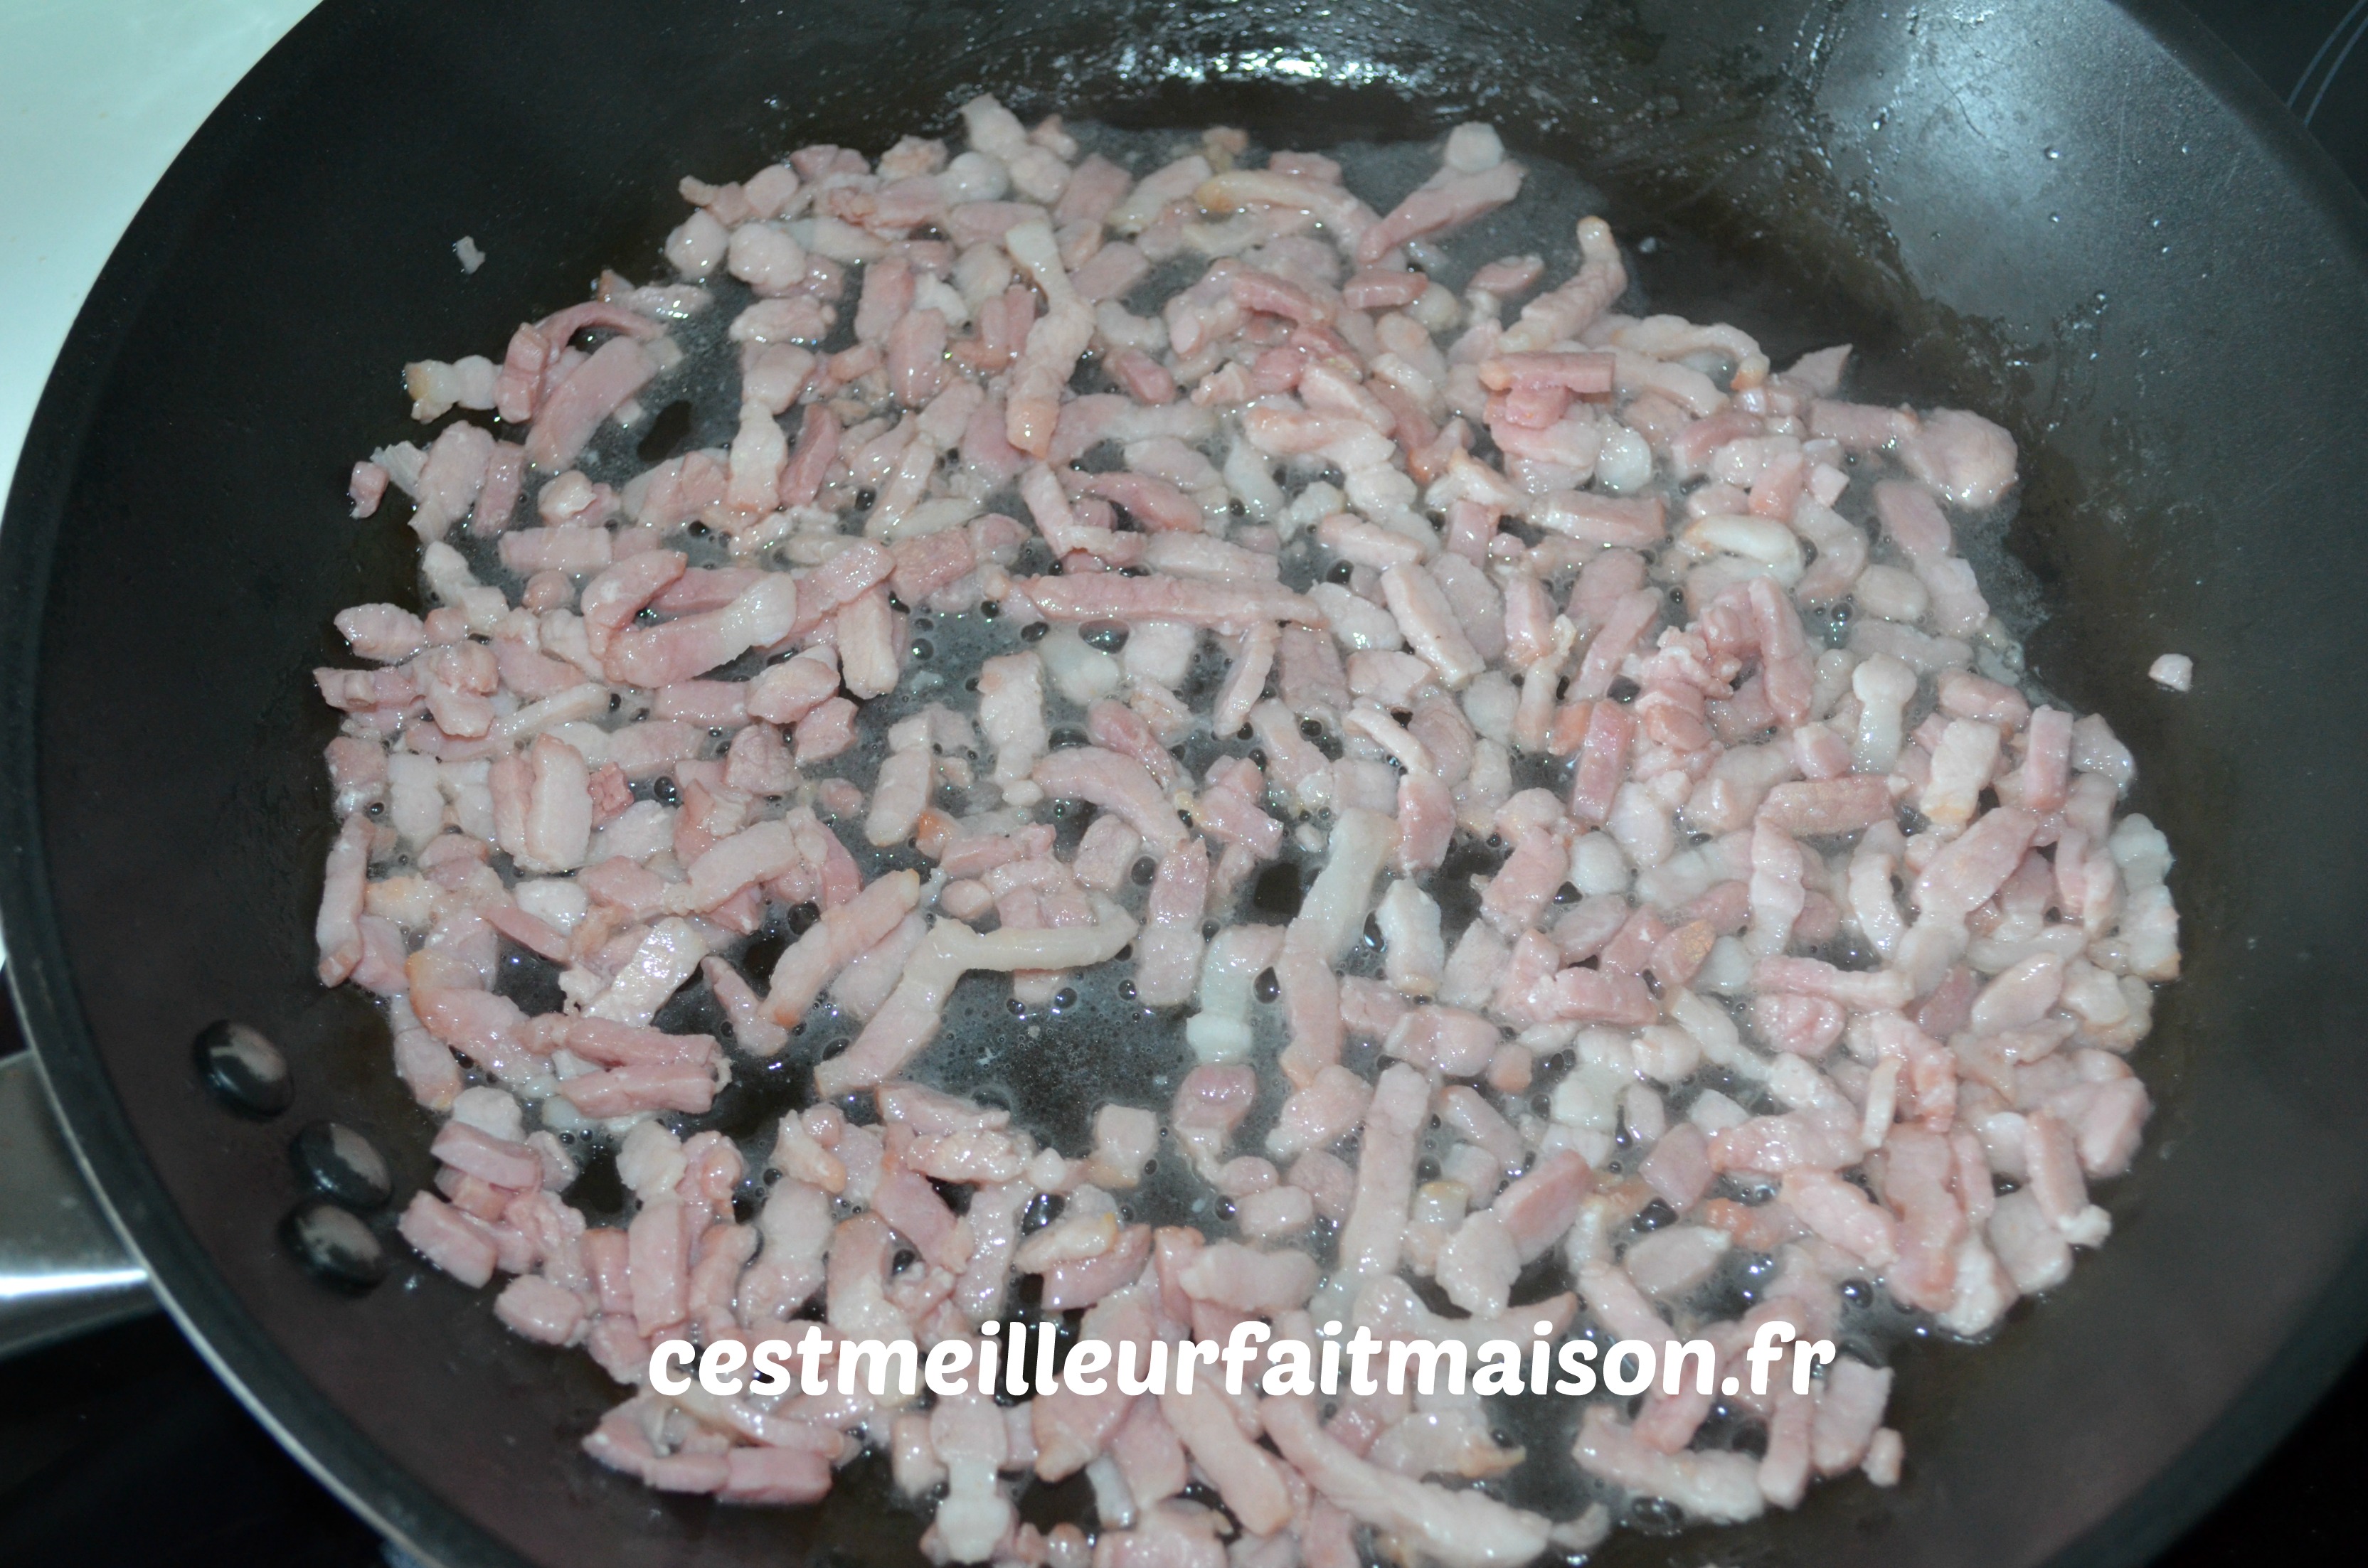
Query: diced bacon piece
1142,376
1115,783
1046,362
1719,1488
1965,459
1538,1208
1590,995
916,358
1370,1239
621,1091
658,1262
758,762
336,929
613,599
1916,1166
900,793
1860,427
1012,714
1167,951
843,934
384,634
1916,525
1095,187
473,1152
1827,806
1082,1282
1453,200
620,1443
1117,728
754,854
810,461
1671,1262
1634,523
2045,775
1458,1530
1444,1039
1810,1139
909,1203
478,1023
615,1045
1320,1114
1844,1215
1678,1168
1429,624
451,479
1576,372
1528,881
1154,503
1384,288
564,423
2029,1243
439,1233
1629,618
1964,875
1250,1480
366,488
556,833
1602,762
776,1477
1231,608
1257,290
1566,312
680,650
518,388
572,548
910,1018
756,1032
1785,664
824,733
1776,891
1850,1409
932,562
562,324
1862,990
536,1309
1125,1139
662,960
1805,1026
1508,275
1368,1010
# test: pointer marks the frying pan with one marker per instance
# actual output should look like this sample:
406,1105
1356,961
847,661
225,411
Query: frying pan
2086,221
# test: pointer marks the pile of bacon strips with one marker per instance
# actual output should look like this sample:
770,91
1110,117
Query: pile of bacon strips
1678,643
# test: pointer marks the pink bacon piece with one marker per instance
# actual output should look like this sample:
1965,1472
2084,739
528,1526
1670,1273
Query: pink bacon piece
842,935
564,423
1233,607
1450,203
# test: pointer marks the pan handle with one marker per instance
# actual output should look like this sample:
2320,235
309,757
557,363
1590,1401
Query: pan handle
63,1271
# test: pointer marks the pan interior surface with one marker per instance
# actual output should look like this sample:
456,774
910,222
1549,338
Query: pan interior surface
2082,225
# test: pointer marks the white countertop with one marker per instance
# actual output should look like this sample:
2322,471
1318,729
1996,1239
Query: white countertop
96,97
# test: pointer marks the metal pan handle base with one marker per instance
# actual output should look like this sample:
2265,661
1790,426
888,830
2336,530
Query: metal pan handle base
63,1271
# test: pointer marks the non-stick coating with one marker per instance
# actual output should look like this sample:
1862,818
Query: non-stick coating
2088,226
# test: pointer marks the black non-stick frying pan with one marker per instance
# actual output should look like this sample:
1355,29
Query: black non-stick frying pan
2087,222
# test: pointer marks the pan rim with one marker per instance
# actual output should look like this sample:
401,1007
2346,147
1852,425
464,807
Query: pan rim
317,1433
301,1418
